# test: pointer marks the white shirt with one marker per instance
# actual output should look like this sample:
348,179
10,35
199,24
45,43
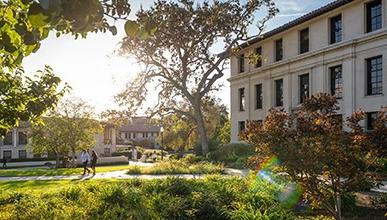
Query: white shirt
85,157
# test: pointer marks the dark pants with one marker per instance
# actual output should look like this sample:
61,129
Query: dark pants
85,167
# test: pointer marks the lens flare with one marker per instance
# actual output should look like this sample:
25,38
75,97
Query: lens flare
289,193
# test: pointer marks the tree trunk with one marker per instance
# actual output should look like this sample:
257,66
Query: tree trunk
338,207
57,161
73,156
201,128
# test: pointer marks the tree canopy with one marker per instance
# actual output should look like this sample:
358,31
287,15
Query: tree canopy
316,152
24,24
25,99
179,59
68,129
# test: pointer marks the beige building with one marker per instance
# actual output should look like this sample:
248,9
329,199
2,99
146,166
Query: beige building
139,131
340,48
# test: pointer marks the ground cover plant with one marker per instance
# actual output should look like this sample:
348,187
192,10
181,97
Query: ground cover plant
182,166
55,172
173,198
234,154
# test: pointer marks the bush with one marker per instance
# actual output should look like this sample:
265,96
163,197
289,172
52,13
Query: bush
178,167
234,154
172,198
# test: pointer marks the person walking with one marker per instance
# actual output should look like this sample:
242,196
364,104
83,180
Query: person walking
154,156
85,158
134,153
94,158
5,162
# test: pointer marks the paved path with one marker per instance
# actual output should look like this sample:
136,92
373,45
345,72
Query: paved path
121,175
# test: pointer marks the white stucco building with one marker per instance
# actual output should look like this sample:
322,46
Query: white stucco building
340,48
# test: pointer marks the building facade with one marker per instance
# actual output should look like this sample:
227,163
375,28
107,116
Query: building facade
139,131
340,48
16,144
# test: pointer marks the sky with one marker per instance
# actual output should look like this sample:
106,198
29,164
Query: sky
96,73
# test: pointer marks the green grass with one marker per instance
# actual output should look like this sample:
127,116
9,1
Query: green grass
171,198
55,172
178,167
40,186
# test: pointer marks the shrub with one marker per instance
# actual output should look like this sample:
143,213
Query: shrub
171,198
178,167
234,154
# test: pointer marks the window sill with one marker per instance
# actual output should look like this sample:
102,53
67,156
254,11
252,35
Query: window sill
374,96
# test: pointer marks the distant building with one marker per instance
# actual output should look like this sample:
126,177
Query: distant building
139,131
340,48
15,144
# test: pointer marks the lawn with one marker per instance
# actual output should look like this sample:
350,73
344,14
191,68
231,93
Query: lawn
40,186
178,167
55,172
172,198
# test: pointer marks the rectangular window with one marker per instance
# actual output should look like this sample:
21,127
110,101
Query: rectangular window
241,126
336,78
22,138
258,96
8,138
304,41
241,99
22,154
370,120
279,96
134,135
336,29
304,87
7,154
278,50
258,51
106,151
374,76
241,63
374,16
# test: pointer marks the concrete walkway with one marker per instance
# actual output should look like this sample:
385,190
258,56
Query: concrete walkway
122,174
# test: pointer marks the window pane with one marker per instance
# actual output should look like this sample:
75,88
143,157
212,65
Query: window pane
304,87
374,76
304,40
278,50
22,154
259,98
8,139
241,63
242,99
7,154
259,53
279,92
374,15
241,126
336,29
336,78
370,120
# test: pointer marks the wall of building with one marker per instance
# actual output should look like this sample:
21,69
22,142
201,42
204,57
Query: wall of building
351,53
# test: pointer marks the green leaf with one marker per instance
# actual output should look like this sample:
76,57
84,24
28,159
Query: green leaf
38,20
131,28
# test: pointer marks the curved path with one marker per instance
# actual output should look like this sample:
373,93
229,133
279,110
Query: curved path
120,175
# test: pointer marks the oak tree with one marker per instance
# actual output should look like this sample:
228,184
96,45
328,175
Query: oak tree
179,59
